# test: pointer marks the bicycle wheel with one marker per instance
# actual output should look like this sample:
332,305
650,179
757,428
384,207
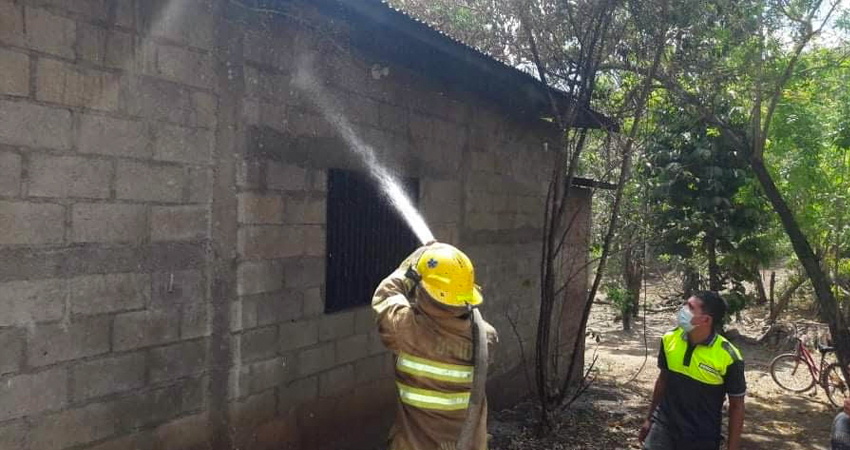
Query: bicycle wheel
834,385
791,373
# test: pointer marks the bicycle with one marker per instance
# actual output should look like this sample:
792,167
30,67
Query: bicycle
797,372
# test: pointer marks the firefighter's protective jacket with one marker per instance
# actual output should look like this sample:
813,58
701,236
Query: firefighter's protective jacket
433,371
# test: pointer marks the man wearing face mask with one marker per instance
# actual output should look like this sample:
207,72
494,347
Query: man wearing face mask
699,369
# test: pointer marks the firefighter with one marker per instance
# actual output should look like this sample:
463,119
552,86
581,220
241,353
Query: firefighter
424,315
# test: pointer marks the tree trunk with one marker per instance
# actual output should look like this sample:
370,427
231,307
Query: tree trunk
633,276
690,281
760,288
772,290
627,322
820,283
785,298
713,269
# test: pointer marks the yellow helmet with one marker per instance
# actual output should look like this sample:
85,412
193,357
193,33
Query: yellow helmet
447,275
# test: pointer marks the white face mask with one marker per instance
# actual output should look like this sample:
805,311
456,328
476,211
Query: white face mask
684,318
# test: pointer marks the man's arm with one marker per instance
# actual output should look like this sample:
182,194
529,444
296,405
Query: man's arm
736,421
657,395
391,303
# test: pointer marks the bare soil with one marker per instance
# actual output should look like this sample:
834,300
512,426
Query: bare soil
610,413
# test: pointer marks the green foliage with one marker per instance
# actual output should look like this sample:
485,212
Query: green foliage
620,297
702,197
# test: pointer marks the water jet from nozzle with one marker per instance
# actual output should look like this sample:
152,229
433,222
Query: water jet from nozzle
388,183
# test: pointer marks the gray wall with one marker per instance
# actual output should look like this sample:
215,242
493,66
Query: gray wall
162,225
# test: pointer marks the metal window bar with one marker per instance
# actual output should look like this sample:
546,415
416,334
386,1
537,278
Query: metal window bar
366,238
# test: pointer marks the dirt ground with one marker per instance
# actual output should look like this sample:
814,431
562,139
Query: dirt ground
609,415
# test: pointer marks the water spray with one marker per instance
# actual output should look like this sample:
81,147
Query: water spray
389,184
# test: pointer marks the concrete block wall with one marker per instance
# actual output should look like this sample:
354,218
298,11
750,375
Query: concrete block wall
104,211
115,329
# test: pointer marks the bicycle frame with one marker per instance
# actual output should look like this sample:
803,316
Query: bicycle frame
814,369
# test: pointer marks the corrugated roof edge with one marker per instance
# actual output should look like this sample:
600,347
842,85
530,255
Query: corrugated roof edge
603,121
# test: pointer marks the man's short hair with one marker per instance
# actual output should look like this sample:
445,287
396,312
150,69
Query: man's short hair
713,305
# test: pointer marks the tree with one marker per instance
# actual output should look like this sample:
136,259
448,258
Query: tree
699,204
746,53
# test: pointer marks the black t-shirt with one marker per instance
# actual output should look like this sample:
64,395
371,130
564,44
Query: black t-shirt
692,409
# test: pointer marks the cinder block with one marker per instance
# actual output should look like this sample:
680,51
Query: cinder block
11,351
200,185
159,405
276,87
141,440
49,344
250,112
301,273
314,302
204,110
393,118
16,72
252,411
316,359
195,321
179,223
371,369
298,392
186,432
273,308
337,381
26,302
336,326
178,361
305,209
110,136
11,22
10,174
69,176
263,47
300,334
286,177
260,209
28,394
364,320
249,173
50,33
96,294
173,288
260,343
60,82
107,376
125,13
23,123
352,348
254,277
267,242
314,239
174,26
95,9
156,99
14,434
102,222
72,427
110,48
376,346
262,375
179,144
319,180
180,64
144,329
149,182
360,109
